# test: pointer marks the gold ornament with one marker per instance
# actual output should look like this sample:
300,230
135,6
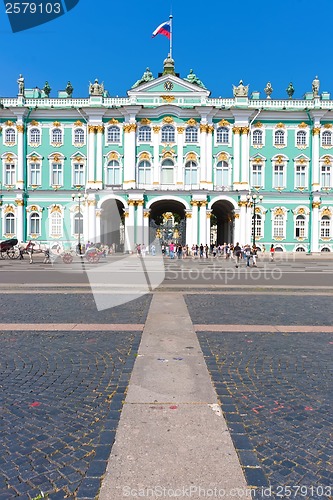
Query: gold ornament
224,123
168,119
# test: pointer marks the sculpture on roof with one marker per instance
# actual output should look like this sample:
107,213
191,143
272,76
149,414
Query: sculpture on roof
192,78
146,77
315,87
290,90
96,88
69,89
20,82
47,89
268,90
241,90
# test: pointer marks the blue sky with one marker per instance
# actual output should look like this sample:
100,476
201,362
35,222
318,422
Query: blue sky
222,40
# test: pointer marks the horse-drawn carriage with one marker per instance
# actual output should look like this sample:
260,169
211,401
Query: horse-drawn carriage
91,255
9,249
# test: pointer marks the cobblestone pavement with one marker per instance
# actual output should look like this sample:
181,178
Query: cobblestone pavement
276,390
61,395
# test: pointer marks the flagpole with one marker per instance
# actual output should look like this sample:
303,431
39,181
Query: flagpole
170,17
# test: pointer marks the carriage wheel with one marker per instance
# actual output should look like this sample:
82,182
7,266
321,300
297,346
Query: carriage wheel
67,258
13,253
2,255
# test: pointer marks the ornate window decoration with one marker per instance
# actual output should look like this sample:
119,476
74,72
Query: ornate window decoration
78,137
144,171
326,178
167,171
77,223
326,139
9,167
144,133
10,136
55,221
257,138
301,173
112,169
113,134
34,225
56,168
191,179
326,224
34,170
56,137
191,134
168,133
78,170
222,135
35,137
301,139
222,172
9,222
257,172
280,138
259,226
279,219
279,163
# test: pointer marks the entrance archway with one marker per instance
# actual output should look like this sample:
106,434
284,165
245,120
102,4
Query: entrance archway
168,222
222,222
113,224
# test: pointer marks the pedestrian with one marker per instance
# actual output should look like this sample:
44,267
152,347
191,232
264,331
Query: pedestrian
254,256
201,251
138,250
172,250
272,252
206,251
179,251
237,253
248,255
153,250
47,259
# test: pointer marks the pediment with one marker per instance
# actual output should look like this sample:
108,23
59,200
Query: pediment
168,85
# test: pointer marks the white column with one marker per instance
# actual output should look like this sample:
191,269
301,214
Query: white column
195,222
91,155
203,223
146,240
315,227
99,157
208,216
129,227
180,153
156,164
203,155
98,214
92,220
129,155
245,157
236,155
189,231
315,159
139,222
20,153
19,219
237,229
242,222
86,221
209,156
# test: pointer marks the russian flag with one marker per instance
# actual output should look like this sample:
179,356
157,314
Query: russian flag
162,29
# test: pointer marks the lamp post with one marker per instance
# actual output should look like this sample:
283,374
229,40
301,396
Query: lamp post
254,199
79,196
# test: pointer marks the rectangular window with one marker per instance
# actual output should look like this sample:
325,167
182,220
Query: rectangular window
256,175
326,176
9,174
278,227
35,174
78,178
278,177
56,176
300,181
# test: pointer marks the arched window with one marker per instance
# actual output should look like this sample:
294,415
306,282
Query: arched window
56,136
35,223
326,138
55,225
222,177
191,134
35,136
144,134
278,226
10,224
78,223
301,138
257,138
10,135
168,133
300,226
325,227
79,136
113,134
222,135
144,172
258,224
167,172
326,176
113,173
279,138
191,173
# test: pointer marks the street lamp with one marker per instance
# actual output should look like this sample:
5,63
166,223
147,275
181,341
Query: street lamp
254,199
79,196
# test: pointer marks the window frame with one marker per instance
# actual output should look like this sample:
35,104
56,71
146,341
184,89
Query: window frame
326,134
301,175
10,216
225,170
115,129
74,173
171,134
191,168
191,135
281,134
166,166
10,141
37,173
325,228
59,225
116,169
304,135
79,143
257,131
145,131
222,135
279,230
144,170
35,219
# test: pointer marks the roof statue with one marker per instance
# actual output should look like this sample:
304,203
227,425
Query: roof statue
290,90
20,82
192,78
315,87
47,89
169,66
268,90
241,90
146,77
69,89
96,88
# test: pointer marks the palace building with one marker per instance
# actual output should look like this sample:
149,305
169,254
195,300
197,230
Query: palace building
168,159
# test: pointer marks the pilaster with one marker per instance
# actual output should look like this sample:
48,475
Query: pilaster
195,213
180,152
315,225
156,163
20,154
99,156
91,156
129,155
20,219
